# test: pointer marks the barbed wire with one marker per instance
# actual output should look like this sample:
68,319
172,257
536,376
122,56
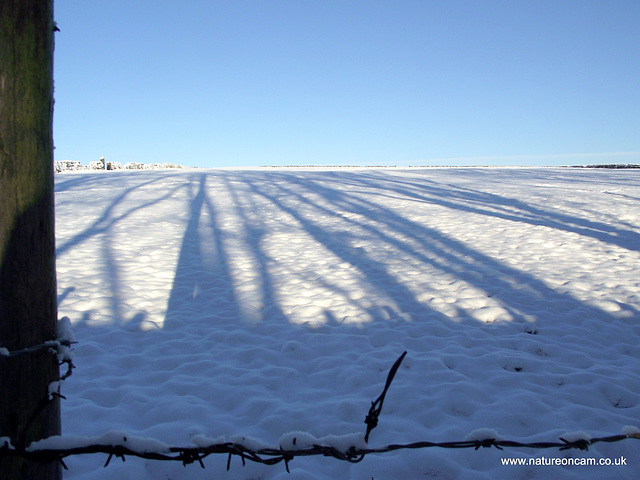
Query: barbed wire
125,445
272,456
50,344
60,347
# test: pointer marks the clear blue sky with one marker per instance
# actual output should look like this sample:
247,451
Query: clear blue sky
243,83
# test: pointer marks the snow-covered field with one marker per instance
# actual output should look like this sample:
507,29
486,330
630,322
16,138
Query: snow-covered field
263,301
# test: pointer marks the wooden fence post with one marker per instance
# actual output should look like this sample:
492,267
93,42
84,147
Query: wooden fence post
27,248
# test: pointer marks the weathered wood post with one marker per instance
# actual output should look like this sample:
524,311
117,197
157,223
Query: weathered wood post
27,247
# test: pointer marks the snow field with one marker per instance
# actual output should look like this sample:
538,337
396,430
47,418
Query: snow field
259,302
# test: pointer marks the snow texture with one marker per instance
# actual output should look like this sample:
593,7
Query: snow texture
246,304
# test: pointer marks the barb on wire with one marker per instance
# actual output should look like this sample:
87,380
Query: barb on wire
376,406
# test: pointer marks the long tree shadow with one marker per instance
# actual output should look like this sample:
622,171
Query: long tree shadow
489,204
434,247
202,279
103,229
374,273
307,199
253,231
109,218
522,295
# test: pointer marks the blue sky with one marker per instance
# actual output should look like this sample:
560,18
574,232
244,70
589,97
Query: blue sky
299,82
